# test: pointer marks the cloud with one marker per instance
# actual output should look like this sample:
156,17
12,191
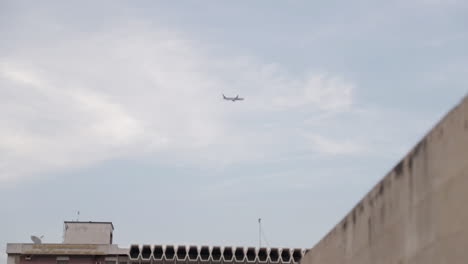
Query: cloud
46,127
134,91
324,91
19,76
331,146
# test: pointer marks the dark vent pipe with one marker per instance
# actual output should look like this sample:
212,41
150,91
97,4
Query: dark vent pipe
181,253
216,253
285,255
134,252
228,254
193,253
262,255
274,255
251,254
158,252
297,255
146,252
239,254
169,252
205,253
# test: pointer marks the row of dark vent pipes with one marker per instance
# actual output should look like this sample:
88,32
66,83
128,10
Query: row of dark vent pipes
193,254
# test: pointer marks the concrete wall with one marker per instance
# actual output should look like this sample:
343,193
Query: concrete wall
70,260
87,233
418,213
64,249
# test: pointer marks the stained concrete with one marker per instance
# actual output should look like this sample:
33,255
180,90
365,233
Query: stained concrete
76,232
418,213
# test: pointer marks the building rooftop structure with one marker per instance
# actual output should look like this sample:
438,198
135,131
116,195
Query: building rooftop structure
75,232
92,243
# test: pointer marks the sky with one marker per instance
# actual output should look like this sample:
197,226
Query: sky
114,109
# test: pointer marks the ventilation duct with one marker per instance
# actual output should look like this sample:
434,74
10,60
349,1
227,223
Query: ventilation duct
262,255
196,255
274,255
193,253
169,253
285,255
216,254
205,253
158,252
251,254
146,252
297,255
134,252
228,254
181,253
239,254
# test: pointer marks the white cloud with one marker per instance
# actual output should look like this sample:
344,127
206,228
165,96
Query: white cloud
56,128
19,76
324,91
133,91
331,146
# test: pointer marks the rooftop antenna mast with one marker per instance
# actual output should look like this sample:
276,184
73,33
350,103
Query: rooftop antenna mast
259,233
78,216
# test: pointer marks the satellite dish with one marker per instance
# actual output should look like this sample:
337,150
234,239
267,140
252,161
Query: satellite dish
36,239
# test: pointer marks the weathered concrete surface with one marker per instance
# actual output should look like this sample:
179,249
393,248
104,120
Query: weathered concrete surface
76,232
416,214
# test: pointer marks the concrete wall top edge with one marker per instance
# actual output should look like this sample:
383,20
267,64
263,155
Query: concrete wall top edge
397,170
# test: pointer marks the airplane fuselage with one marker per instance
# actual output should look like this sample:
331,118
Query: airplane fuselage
233,99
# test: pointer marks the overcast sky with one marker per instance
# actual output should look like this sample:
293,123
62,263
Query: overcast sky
114,109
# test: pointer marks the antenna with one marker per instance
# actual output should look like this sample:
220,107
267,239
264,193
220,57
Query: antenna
259,233
36,240
78,216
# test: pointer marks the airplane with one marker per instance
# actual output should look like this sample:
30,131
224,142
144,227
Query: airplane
237,98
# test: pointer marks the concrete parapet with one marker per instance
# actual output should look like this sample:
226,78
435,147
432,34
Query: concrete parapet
417,213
